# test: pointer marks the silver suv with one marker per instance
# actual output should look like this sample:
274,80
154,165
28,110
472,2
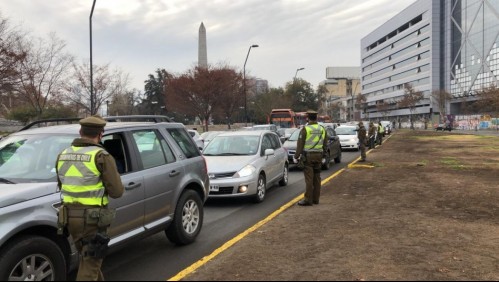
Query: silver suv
166,185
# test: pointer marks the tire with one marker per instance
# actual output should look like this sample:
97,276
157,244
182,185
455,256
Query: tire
338,158
285,176
261,189
327,164
187,220
32,258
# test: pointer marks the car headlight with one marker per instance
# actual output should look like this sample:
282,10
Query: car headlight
353,140
245,171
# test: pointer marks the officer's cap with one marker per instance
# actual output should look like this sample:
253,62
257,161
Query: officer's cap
95,121
311,112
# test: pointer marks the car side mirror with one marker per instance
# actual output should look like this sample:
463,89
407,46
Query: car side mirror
269,152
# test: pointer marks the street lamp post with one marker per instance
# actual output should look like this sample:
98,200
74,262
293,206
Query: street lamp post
244,86
297,70
92,103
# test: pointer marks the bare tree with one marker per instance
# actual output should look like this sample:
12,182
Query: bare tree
361,103
203,91
488,101
10,55
410,100
42,71
441,98
108,84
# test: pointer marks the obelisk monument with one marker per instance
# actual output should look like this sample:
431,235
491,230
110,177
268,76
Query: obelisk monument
202,53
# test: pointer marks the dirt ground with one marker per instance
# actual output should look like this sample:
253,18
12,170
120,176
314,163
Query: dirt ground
428,209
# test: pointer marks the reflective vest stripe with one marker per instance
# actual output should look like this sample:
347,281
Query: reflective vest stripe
315,138
80,178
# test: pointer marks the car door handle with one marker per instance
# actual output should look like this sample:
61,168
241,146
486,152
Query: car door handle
132,186
174,173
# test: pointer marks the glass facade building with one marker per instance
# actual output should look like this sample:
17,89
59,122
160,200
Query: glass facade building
431,45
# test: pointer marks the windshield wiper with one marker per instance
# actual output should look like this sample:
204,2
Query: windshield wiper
6,181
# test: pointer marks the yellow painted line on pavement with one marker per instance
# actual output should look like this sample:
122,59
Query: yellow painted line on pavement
236,239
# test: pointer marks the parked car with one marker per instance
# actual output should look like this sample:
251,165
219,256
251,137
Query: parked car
333,151
387,125
166,185
245,163
197,138
286,133
348,136
443,127
208,135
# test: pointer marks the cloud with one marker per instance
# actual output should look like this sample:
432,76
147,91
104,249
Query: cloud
141,36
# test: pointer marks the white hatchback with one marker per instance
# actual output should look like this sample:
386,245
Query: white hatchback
245,163
348,137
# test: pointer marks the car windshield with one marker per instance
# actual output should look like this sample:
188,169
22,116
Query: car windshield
232,146
346,131
294,136
209,135
31,158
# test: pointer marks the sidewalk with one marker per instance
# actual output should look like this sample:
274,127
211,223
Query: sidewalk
428,209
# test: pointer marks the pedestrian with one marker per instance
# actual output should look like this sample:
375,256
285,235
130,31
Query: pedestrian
381,133
372,135
311,144
361,134
87,176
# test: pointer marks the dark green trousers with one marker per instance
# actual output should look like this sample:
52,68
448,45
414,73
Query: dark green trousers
90,267
312,172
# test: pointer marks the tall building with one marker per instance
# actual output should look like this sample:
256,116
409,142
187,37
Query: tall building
432,45
202,50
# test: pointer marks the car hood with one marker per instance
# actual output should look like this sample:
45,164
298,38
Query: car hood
11,194
219,164
289,145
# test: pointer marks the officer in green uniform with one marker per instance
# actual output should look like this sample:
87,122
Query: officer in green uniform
361,134
311,144
87,176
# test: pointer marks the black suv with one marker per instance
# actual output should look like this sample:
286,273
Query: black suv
166,185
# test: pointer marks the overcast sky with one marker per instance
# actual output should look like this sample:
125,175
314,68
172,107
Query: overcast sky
139,36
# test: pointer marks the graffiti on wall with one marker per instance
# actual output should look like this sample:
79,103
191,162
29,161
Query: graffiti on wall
475,122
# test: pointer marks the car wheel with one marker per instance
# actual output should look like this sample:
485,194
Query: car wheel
261,188
338,158
327,164
285,176
32,258
187,220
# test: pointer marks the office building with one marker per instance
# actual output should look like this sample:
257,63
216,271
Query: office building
432,45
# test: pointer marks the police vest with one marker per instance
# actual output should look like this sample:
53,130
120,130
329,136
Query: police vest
80,178
315,138
380,128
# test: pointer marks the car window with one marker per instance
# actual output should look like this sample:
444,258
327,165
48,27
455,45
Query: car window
31,158
232,146
150,148
184,141
115,145
266,143
276,143
295,135
330,132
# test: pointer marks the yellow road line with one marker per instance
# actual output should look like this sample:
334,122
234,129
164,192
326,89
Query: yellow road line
236,239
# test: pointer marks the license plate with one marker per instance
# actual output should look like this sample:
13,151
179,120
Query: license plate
214,188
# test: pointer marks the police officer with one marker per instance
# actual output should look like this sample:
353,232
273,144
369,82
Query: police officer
372,135
361,134
311,144
381,133
87,176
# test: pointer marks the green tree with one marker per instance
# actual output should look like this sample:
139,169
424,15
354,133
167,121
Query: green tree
303,95
263,104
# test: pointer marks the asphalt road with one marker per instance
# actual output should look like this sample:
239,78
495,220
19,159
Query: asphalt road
155,258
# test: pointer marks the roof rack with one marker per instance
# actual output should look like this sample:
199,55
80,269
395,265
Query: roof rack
130,118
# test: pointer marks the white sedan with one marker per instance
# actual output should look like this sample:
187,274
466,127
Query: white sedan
245,163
